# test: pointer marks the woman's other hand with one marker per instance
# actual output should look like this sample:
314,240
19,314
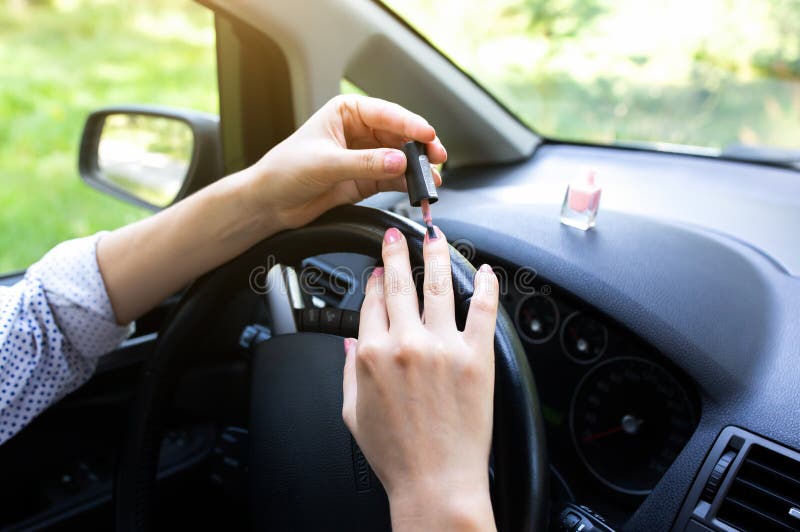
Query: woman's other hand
418,394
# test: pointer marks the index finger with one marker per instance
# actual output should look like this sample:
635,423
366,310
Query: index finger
392,118
435,150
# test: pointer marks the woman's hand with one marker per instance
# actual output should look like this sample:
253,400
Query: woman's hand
347,151
418,394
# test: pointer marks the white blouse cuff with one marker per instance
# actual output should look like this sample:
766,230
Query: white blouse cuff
77,296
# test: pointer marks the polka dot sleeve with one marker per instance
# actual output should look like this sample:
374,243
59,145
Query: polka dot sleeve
53,326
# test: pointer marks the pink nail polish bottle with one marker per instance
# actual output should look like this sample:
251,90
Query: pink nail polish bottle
581,202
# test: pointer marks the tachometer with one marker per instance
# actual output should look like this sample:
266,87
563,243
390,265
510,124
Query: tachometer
537,318
629,420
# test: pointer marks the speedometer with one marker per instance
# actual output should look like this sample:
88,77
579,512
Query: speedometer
629,420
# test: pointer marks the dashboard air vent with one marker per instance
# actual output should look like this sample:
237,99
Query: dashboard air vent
764,494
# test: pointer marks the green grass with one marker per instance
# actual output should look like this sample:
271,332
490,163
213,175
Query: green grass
59,64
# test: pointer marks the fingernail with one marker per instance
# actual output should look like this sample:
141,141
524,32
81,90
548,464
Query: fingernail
377,272
432,233
393,162
347,343
485,268
392,235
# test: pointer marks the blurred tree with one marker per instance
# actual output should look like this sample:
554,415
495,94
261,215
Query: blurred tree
783,60
22,4
558,20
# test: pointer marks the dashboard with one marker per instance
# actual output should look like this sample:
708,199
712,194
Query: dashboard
617,413
656,333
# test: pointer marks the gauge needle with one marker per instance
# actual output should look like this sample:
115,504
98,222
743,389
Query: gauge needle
599,435
630,425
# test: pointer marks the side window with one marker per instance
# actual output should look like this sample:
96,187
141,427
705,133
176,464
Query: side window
348,87
61,60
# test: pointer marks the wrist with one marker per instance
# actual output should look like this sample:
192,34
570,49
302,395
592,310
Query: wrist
437,508
254,218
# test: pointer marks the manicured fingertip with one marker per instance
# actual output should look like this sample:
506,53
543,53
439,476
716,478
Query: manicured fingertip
377,271
349,345
482,312
486,280
394,162
392,235
433,234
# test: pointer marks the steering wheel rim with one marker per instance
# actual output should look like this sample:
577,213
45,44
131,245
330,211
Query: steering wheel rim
520,484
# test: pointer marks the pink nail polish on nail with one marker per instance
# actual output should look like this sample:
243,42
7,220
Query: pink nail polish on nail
392,235
377,272
347,343
393,163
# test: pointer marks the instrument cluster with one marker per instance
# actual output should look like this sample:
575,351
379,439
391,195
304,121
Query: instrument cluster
617,412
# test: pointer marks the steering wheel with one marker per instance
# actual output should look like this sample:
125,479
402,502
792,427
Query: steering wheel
305,471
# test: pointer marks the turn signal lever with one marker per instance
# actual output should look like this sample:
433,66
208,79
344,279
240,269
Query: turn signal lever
325,320
574,518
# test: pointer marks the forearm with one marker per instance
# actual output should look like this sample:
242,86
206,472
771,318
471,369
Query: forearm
144,263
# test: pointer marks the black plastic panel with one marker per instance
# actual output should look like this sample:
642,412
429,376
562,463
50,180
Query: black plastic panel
711,513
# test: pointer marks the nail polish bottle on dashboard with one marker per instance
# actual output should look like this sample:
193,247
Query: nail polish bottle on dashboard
581,202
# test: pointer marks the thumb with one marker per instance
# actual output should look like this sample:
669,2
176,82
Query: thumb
349,387
372,164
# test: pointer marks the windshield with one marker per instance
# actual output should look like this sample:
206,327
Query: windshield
719,77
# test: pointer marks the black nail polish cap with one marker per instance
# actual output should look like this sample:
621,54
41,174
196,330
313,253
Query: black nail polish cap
419,176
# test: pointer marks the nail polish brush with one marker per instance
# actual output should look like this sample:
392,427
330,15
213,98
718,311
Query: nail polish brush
419,178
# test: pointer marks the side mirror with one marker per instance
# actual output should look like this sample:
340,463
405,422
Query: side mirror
150,156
